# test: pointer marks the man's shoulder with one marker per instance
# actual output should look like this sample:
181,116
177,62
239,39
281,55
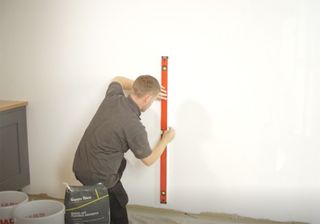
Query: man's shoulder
114,88
115,83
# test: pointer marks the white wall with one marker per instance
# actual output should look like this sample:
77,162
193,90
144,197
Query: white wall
244,92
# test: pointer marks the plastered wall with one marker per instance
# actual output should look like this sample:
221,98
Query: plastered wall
243,95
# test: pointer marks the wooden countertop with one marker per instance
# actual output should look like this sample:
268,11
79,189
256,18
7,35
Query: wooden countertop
8,104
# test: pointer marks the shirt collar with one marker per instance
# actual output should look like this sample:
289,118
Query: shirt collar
134,106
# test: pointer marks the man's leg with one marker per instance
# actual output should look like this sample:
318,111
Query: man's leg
118,200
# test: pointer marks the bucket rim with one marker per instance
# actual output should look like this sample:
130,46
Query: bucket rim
39,201
26,199
19,192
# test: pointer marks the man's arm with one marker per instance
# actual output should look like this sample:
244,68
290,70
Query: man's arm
159,147
124,82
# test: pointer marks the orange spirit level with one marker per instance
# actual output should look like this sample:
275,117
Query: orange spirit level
163,159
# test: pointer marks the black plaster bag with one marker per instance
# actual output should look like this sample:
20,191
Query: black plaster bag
87,204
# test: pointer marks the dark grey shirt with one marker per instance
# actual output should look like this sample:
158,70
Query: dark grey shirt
115,128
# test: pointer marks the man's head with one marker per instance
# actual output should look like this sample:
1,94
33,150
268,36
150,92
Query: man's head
145,90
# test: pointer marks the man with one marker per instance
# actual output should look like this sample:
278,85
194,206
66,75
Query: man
114,129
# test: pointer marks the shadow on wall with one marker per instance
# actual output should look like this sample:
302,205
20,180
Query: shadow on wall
65,173
193,145
193,120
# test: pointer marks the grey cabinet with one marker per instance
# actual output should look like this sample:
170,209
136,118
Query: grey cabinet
14,162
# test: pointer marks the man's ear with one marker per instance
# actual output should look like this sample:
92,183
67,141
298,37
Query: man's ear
147,98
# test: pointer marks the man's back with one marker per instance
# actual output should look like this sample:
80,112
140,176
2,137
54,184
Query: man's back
114,129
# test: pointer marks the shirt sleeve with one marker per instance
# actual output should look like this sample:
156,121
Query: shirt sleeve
114,89
139,145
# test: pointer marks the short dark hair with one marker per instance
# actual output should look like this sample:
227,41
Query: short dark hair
146,84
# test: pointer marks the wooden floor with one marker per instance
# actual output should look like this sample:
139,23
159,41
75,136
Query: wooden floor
145,215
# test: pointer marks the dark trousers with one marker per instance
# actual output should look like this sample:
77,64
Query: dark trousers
118,198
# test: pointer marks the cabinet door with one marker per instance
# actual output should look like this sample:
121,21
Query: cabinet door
14,162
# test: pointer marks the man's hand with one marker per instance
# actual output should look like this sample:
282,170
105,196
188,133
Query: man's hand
158,149
163,94
168,135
